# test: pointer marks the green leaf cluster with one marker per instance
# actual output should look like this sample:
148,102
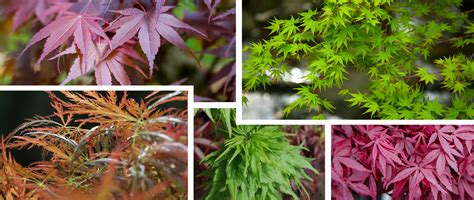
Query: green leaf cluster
256,162
224,117
391,41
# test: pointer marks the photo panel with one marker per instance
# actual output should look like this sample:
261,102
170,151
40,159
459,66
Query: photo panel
330,60
233,161
402,162
249,92
128,42
95,143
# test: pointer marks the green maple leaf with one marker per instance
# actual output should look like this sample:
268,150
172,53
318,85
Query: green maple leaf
459,87
383,56
309,14
435,107
425,76
458,107
290,27
275,26
407,114
425,114
372,108
357,99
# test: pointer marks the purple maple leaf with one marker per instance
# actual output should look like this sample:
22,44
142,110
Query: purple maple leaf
83,28
150,26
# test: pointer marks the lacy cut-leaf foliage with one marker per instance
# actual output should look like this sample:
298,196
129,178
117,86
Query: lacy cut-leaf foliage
101,146
390,41
207,139
409,162
253,162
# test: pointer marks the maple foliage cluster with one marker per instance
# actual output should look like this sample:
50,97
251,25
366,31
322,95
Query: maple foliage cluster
100,145
310,137
385,59
114,38
410,162
278,162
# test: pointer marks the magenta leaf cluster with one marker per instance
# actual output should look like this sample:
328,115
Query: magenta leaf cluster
408,162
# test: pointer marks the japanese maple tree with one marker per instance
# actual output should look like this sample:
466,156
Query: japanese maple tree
409,162
384,59
256,162
100,145
119,41
86,26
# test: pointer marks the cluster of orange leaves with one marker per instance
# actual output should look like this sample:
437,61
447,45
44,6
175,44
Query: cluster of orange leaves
101,146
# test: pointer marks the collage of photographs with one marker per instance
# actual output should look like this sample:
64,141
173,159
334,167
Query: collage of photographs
237,99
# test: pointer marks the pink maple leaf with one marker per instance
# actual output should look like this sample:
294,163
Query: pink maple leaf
23,10
83,28
150,26
106,64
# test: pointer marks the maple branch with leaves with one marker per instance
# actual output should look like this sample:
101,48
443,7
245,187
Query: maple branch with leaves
101,145
118,42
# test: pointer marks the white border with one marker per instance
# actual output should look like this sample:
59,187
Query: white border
190,142
238,106
353,122
98,88
327,161
215,105
239,65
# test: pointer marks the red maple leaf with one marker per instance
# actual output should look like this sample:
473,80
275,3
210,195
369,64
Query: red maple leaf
82,27
150,26
344,185
466,180
23,10
342,152
443,159
104,63
445,136
383,151
414,175
465,133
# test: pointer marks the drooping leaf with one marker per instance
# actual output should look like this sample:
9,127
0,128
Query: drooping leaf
150,26
83,28
352,164
25,9
113,64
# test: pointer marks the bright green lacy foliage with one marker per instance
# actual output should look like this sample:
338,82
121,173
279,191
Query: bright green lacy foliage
256,163
383,38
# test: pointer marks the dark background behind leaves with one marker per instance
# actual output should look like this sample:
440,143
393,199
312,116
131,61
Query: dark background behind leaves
16,107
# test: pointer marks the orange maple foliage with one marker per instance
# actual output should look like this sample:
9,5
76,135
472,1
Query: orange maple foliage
101,146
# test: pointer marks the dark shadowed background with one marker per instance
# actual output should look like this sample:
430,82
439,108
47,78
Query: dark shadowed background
17,107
